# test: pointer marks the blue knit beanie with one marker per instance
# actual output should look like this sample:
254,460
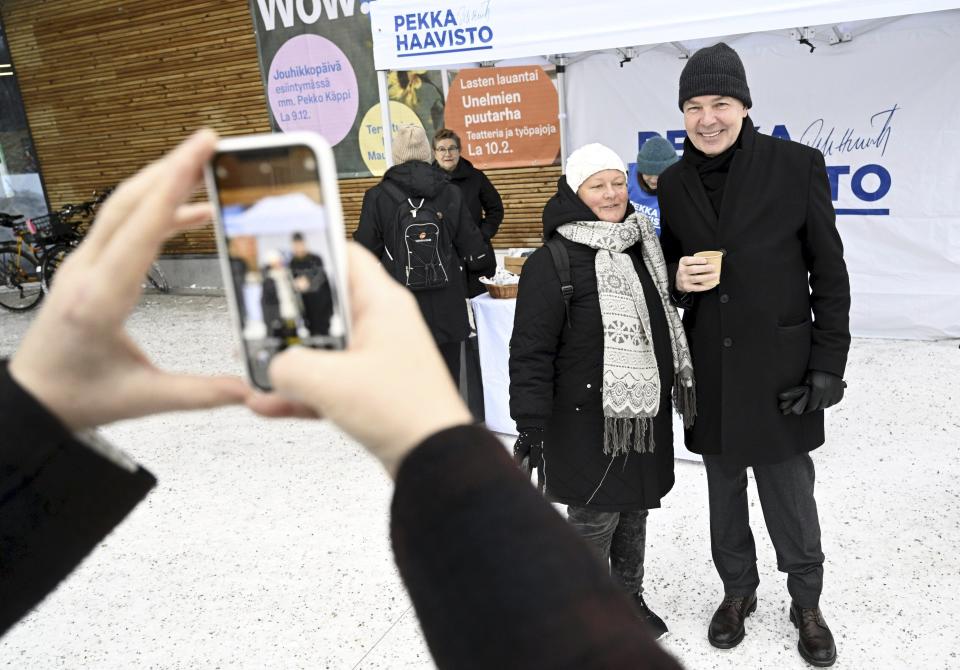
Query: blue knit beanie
656,155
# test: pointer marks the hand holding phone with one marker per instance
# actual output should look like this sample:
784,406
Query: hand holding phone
77,358
281,241
390,390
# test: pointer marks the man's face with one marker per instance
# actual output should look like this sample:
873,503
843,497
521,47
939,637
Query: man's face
713,122
447,154
299,248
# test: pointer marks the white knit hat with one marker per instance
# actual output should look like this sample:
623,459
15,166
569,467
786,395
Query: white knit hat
589,160
410,143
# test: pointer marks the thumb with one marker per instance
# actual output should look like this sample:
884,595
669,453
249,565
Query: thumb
305,375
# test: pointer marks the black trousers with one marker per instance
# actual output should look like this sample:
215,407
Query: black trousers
790,512
451,356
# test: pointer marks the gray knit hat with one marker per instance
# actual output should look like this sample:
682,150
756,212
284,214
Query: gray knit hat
410,143
715,70
656,155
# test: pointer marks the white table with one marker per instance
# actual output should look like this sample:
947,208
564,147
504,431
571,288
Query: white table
494,320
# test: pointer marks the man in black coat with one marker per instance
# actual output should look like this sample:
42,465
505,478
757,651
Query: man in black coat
413,182
765,368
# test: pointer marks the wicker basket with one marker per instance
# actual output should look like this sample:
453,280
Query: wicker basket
514,263
502,290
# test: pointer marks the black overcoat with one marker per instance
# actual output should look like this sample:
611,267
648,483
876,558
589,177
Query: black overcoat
444,309
486,210
783,303
556,371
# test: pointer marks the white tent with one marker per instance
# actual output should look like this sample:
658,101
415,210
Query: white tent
898,205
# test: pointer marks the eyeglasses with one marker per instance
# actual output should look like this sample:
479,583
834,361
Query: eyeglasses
447,150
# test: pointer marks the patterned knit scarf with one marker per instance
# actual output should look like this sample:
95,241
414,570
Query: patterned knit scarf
631,378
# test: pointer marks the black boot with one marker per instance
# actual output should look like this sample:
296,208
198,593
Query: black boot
816,643
654,623
726,629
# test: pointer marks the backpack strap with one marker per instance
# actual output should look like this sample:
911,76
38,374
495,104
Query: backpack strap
561,262
395,191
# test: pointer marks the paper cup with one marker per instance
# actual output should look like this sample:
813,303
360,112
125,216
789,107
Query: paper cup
714,258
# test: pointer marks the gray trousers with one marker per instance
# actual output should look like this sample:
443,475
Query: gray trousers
790,512
618,538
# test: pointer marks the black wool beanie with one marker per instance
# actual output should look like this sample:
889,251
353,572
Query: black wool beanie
715,70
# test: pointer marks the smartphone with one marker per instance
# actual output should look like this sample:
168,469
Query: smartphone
280,236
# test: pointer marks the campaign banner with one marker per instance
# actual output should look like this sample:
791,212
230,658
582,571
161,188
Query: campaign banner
876,107
505,117
430,33
318,75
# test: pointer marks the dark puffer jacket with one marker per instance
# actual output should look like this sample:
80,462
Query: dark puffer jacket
556,370
486,210
444,309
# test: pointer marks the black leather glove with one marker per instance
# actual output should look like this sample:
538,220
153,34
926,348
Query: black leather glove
528,449
819,391
826,390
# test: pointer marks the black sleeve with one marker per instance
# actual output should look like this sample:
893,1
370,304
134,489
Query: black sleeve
467,241
369,232
829,282
492,208
672,252
537,326
497,577
58,499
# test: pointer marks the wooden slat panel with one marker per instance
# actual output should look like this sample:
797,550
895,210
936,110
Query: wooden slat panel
110,86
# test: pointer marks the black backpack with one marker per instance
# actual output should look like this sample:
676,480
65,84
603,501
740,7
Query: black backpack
416,242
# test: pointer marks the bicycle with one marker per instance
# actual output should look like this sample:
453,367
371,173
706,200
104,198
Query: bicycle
21,287
63,234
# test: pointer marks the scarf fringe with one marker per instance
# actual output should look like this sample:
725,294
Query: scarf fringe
685,397
621,436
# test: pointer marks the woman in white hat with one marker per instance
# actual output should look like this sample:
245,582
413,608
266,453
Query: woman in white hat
591,381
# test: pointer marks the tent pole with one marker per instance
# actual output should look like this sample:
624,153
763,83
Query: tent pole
561,62
385,117
446,86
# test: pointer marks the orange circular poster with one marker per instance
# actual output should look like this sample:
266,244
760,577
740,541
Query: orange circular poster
505,116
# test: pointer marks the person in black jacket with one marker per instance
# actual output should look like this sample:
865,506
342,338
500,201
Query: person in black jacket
480,195
414,183
469,547
766,370
592,388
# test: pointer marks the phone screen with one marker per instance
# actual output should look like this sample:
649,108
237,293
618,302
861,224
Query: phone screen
279,251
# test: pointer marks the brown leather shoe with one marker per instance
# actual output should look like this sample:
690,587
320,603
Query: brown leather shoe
726,629
816,643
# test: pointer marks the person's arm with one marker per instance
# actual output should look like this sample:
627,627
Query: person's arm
538,323
468,241
60,495
829,282
369,232
497,577
62,488
492,206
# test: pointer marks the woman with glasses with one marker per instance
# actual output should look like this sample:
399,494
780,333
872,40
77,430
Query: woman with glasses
479,195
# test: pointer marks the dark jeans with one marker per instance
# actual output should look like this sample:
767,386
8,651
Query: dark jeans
618,538
790,512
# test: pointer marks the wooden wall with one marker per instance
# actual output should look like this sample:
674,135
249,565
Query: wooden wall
109,85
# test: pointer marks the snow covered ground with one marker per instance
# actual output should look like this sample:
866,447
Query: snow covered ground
265,543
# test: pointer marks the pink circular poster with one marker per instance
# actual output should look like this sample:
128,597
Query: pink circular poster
313,87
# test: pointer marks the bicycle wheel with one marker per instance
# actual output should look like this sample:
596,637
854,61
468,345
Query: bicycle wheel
157,279
20,284
52,258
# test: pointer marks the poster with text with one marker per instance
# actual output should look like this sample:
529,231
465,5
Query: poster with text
316,61
505,116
